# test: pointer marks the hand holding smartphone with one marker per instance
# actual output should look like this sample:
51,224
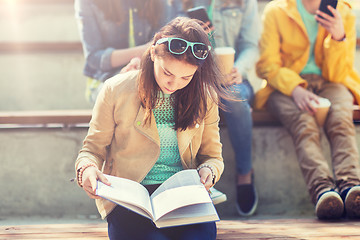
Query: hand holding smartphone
324,6
333,24
199,13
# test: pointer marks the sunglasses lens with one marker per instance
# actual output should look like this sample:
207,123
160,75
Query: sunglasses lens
200,51
178,46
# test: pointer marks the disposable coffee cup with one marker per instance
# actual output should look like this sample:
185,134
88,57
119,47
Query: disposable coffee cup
225,59
322,109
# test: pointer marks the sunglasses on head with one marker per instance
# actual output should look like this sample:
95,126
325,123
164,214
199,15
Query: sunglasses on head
179,46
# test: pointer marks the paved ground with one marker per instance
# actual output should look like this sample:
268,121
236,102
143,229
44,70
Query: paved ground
262,229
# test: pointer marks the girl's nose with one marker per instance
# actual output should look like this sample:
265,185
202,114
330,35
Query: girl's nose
172,82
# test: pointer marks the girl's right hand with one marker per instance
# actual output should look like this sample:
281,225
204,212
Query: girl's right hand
89,178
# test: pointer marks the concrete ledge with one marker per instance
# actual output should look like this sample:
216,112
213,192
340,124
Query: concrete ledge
83,116
15,47
45,117
40,163
37,165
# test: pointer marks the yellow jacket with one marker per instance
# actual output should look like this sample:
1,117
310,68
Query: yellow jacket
120,145
285,48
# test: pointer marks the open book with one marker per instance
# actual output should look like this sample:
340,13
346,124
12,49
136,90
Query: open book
182,199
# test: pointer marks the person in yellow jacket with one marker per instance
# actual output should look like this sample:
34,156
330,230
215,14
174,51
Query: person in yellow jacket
306,55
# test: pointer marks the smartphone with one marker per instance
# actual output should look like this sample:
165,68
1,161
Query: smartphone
199,13
323,6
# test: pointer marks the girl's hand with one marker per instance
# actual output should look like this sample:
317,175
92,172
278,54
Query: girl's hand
89,178
333,25
303,98
206,177
234,77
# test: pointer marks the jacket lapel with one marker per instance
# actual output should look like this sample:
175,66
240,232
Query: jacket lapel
149,130
185,138
290,9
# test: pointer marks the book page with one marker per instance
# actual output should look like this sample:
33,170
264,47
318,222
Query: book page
127,193
187,177
175,198
189,215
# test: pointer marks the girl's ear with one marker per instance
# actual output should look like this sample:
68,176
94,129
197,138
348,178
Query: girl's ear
152,52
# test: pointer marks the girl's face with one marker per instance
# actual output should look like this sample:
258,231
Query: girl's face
172,74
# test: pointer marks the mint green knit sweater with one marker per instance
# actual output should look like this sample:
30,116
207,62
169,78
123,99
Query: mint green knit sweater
169,161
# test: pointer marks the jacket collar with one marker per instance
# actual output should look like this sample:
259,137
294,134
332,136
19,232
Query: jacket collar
290,8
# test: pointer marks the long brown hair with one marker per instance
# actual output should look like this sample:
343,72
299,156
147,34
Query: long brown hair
190,102
147,9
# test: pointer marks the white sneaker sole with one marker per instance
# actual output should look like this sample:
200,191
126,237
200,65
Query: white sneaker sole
219,199
253,209
329,206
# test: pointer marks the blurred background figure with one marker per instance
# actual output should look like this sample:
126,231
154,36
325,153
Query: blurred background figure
114,35
236,24
308,55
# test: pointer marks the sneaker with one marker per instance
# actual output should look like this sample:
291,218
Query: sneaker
247,199
329,206
352,202
217,196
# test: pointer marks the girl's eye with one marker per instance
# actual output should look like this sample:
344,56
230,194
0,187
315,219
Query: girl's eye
167,74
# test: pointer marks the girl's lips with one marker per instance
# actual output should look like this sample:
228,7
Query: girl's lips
169,90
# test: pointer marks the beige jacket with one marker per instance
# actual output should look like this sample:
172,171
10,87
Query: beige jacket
120,145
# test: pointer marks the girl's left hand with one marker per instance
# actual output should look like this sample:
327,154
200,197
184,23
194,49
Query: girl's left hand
206,177
333,25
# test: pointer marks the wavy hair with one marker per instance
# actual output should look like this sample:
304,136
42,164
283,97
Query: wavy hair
190,103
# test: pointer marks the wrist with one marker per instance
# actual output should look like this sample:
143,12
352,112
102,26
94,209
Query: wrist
211,170
339,39
80,172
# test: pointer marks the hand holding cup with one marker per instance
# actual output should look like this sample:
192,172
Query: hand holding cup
322,109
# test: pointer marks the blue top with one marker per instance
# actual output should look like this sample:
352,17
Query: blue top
237,26
100,37
312,27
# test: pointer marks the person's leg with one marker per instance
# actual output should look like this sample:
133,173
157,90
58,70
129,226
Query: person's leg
340,130
315,169
201,231
239,123
341,133
125,224
93,88
306,136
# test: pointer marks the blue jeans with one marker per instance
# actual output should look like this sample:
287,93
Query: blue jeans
239,123
125,224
